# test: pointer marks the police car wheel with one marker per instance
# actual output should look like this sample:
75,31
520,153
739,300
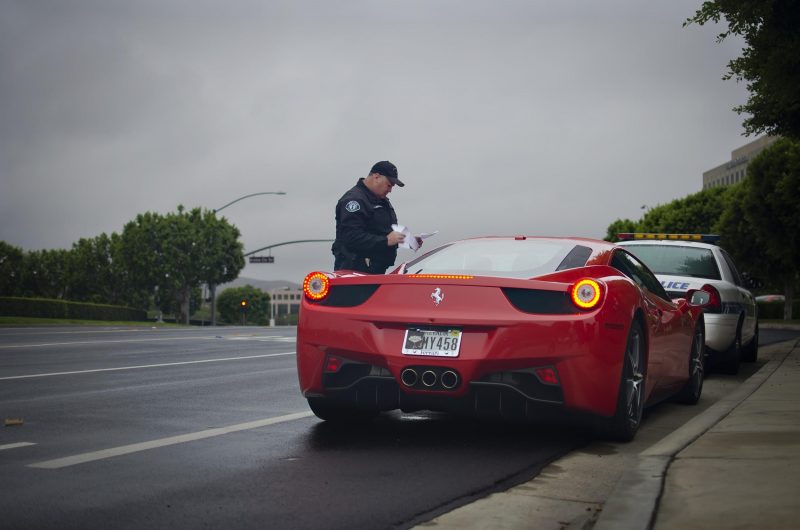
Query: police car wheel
733,357
750,352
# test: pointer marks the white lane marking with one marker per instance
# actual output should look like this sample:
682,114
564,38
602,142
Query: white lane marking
266,338
123,341
30,376
9,346
163,442
16,445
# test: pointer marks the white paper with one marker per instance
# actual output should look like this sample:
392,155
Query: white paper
410,241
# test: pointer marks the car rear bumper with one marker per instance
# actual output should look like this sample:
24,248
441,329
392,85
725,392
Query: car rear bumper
720,330
495,367
488,399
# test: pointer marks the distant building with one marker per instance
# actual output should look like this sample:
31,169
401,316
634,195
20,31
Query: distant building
284,301
735,170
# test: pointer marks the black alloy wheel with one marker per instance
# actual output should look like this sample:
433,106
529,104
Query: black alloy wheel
690,393
630,401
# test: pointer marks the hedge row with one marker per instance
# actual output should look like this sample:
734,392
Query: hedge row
774,310
46,308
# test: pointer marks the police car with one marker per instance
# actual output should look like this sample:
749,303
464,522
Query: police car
693,261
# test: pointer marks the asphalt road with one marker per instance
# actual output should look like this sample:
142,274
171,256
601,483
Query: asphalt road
205,428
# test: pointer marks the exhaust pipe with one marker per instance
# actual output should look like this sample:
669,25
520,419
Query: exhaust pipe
449,379
428,378
409,377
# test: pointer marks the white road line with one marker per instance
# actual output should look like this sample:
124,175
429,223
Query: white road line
163,442
123,341
9,346
15,446
30,376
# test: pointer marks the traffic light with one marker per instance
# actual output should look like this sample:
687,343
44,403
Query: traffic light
244,305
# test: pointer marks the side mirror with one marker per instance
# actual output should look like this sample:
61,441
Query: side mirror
699,298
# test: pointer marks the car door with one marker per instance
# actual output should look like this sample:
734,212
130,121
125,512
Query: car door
745,299
667,360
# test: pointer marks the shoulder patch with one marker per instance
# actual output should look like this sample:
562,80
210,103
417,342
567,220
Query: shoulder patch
352,206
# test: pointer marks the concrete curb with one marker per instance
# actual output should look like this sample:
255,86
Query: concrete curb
634,501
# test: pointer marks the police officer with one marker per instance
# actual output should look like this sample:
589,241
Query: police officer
365,240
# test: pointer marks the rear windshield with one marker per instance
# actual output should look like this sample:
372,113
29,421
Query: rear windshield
506,258
677,260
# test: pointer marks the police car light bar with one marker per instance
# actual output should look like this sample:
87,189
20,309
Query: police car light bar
705,238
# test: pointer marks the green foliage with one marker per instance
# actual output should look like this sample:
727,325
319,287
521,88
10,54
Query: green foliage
770,60
772,201
761,222
11,259
619,226
258,305
160,257
177,252
46,308
96,274
697,213
44,273
694,214
168,302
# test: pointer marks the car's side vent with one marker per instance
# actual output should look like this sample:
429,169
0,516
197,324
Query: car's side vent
539,301
348,295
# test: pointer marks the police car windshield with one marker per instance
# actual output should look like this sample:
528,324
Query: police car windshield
678,260
503,258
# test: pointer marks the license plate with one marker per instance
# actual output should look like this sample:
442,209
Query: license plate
432,342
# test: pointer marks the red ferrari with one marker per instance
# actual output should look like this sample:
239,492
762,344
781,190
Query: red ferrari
507,327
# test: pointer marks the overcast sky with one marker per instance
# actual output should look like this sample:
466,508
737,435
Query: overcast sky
503,117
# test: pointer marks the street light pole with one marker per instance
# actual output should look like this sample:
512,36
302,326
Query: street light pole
212,288
251,195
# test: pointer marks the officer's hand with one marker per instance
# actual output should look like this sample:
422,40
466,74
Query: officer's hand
394,238
419,241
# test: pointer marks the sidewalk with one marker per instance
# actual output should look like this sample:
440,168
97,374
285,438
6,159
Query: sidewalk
735,466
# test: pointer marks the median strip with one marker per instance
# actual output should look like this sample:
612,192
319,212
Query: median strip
84,458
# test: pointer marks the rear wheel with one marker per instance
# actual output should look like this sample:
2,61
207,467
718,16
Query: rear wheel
750,352
690,394
333,412
733,357
630,401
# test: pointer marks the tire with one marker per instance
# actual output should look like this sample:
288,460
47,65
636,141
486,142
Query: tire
630,401
690,393
733,357
750,352
335,413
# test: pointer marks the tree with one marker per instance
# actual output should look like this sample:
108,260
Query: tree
619,226
95,274
694,214
739,238
770,204
180,251
44,273
11,259
229,304
770,61
697,213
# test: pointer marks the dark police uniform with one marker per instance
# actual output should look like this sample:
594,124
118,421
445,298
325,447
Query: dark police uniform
363,221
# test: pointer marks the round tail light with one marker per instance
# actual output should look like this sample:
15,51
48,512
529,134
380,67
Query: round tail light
586,293
316,286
